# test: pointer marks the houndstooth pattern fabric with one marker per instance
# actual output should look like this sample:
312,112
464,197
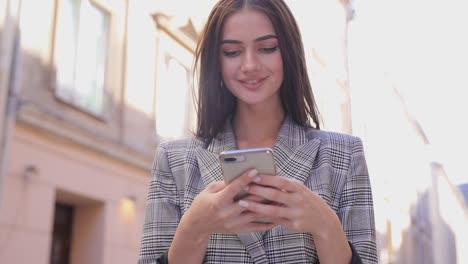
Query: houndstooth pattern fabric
330,164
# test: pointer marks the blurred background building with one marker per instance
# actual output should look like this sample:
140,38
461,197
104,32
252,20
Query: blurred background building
88,88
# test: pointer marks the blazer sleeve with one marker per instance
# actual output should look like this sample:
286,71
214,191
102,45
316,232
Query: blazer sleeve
162,212
356,210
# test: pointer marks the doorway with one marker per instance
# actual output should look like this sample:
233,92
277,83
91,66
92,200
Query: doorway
62,234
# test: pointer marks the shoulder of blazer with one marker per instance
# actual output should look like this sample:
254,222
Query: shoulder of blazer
180,150
336,148
331,139
181,144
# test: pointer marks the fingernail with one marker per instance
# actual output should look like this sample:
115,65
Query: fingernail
252,173
243,203
257,179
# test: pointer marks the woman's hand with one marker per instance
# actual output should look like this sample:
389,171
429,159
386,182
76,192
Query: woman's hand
299,209
294,205
215,211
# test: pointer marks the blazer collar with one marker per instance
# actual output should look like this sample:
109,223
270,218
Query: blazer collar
294,155
290,135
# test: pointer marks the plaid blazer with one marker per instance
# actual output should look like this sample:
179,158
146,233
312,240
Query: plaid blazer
330,164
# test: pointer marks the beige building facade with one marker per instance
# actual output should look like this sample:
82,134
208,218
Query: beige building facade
77,146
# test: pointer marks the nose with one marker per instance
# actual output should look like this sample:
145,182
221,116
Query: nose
250,62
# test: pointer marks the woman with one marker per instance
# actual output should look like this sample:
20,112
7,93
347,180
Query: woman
254,92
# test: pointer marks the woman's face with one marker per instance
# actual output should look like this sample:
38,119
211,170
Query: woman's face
251,64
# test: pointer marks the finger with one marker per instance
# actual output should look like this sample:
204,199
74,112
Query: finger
279,183
229,212
280,221
273,194
268,210
254,198
239,184
243,218
233,210
215,187
249,222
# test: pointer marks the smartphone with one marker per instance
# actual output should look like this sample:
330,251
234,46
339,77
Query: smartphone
236,162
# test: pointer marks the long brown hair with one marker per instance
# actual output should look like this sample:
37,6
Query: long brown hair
215,102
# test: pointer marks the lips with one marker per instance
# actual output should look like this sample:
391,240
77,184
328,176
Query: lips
252,84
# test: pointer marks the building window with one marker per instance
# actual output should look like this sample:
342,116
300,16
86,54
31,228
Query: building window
80,54
62,234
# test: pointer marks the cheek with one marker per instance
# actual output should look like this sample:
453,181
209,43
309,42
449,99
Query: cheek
275,63
278,69
279,63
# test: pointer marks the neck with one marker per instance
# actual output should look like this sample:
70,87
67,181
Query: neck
255,127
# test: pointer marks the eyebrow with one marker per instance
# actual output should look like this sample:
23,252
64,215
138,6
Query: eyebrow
226,41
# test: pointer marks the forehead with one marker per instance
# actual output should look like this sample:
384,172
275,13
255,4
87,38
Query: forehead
247,24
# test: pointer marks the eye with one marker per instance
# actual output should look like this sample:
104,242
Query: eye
269,50
231,53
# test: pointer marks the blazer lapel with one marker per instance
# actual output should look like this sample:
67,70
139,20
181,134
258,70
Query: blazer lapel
294,155
294,151
208,159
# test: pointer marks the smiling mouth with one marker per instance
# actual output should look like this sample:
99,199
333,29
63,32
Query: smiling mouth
252,84
251,81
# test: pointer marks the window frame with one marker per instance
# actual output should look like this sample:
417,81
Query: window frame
103,114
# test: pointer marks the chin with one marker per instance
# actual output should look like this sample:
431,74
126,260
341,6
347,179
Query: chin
252,101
